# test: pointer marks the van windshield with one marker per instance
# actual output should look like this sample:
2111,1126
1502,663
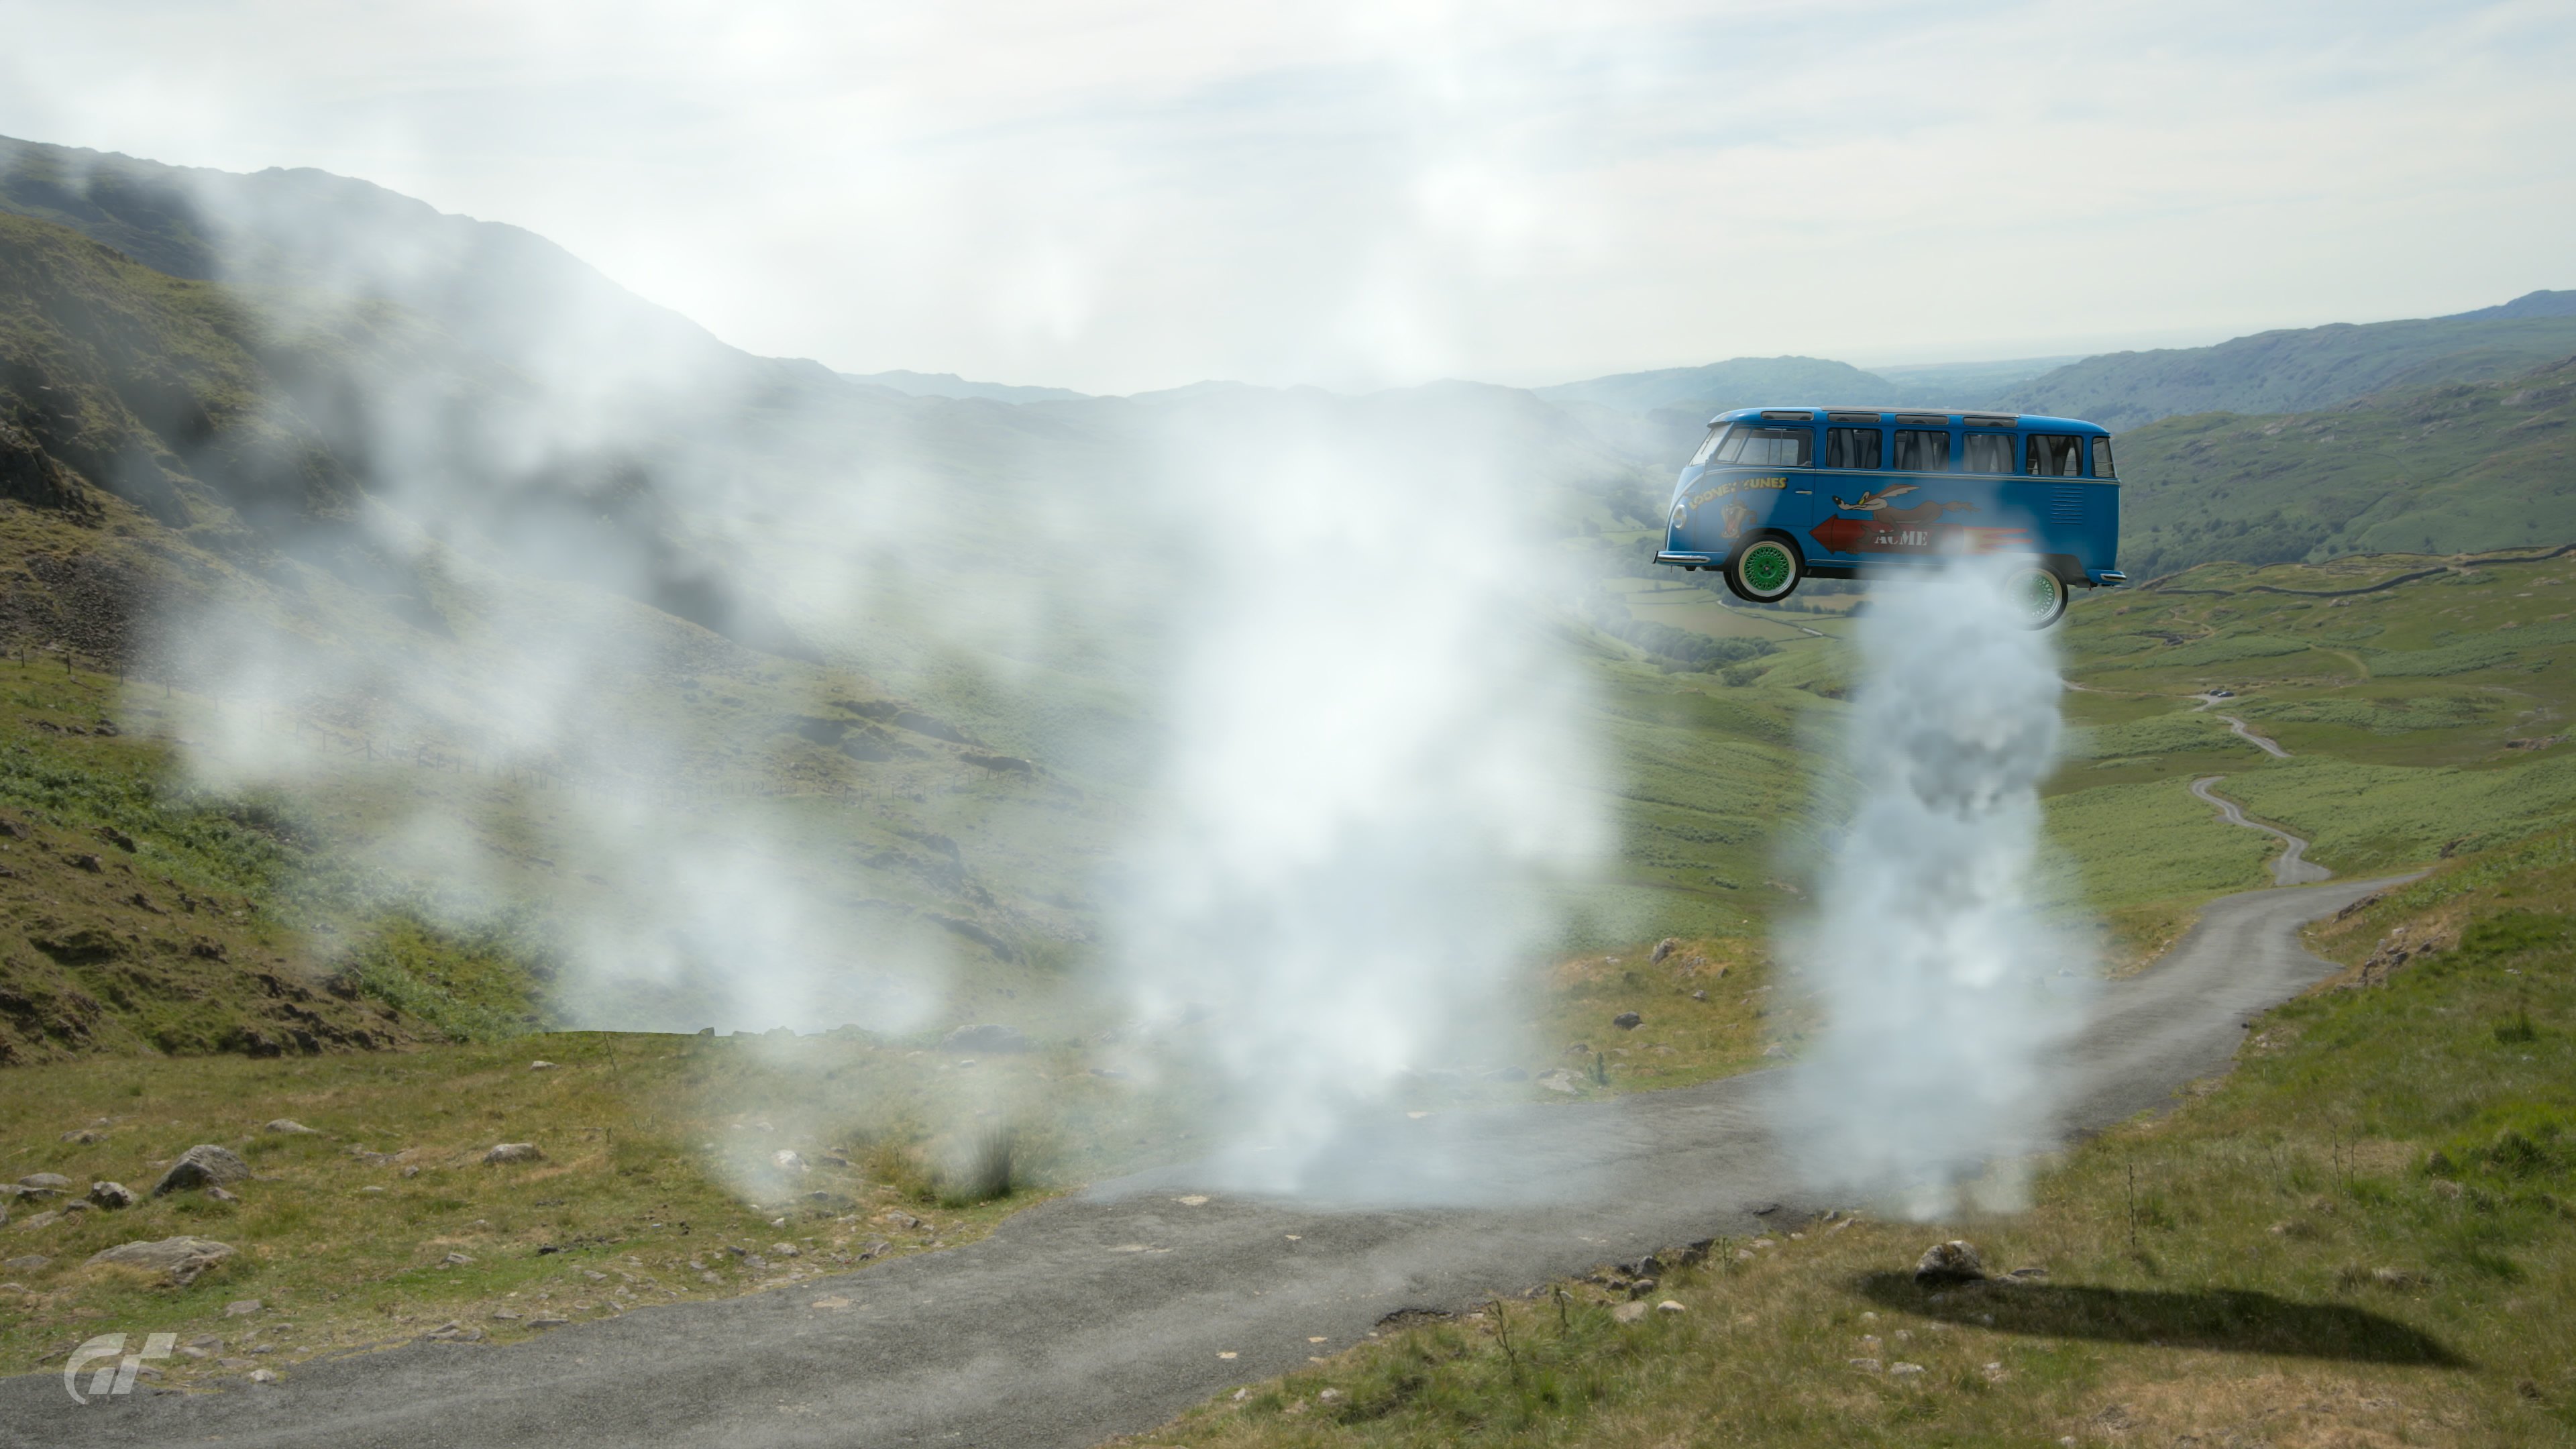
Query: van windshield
1716,435
1768,447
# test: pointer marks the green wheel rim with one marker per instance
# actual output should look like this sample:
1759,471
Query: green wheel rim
1765,568
2039,593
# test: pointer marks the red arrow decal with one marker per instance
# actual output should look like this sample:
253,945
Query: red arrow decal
1839,535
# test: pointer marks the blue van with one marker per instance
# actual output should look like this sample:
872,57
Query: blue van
1778,495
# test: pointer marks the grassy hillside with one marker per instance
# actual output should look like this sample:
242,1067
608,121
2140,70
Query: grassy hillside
2361,1236
2297,370
2451,469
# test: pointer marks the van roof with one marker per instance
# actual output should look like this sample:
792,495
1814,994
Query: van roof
1898,416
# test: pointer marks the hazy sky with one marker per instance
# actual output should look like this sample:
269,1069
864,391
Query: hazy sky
1125,194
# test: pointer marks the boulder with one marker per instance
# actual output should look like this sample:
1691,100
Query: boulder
287,1127
514,1152
1627,1021
1628,1313
53,1180
180,1259
1561,1080
1951,1262
204,1165
112,1195
1664,948
988,1037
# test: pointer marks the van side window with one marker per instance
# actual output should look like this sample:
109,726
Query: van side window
1922,452
2102,459
1851,447
2055,455
1988,453
1768,447
1716,435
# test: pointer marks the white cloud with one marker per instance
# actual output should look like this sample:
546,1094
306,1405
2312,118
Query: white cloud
1118,196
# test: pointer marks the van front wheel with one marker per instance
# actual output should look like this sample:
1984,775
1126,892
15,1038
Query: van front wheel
1765,570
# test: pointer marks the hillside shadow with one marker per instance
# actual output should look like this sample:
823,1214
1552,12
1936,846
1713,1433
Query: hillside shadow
2231,1320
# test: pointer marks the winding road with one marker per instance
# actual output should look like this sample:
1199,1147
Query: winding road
2238,728
1107,1312
2292,866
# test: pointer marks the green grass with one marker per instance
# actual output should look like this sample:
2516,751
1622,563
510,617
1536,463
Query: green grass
2366,1234
658,1162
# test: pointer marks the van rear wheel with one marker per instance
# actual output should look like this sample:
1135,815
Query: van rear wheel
1768,568
2038,594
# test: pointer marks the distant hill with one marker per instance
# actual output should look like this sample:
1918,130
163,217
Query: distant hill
1735,383
2298,370
949,384
2448,469
502,292
2529,304
1967,384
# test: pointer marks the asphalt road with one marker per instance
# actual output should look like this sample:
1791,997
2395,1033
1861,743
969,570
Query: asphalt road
2292,866
1108,1312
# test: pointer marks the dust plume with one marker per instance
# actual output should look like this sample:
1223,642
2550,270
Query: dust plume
1945,994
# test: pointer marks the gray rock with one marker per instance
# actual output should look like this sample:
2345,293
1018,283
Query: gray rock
1563,1079
1664,948
457,1260
288,1127
989,1037
241,1308
263,1376
1627,1021
1951,1262
514,1152
787,1160
85,1135
38,1221
112,1195
53,1180
220,1194
1628,1313
180,1259
28,1263
204,1165
541,1066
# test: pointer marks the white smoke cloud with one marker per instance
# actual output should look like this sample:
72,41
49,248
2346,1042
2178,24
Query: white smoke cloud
1945,993
1377,752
